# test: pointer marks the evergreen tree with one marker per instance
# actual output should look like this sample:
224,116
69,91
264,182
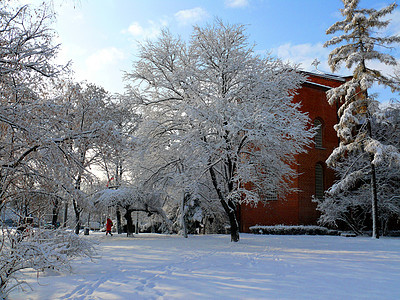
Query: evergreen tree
347,202
357,46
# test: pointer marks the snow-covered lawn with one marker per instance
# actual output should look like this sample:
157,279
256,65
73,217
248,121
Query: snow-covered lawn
151,266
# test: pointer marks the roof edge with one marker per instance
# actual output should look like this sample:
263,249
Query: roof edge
328,76
325,87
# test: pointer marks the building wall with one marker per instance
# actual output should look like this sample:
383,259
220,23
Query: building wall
297,208
314,102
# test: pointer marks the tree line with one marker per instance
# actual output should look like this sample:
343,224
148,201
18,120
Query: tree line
203,126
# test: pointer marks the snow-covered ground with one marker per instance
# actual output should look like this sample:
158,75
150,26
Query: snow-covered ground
151,266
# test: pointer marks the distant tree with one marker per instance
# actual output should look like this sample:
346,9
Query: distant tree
120,144
132,199
359,44
227,112
89,126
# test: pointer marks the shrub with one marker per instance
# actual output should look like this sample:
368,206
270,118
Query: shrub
293,230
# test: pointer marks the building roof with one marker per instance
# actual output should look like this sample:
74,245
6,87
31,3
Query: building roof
318,85
327,76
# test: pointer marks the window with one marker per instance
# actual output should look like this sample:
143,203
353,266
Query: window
318,136
271,195
319,181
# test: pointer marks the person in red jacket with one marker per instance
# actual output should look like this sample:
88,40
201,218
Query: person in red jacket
109,224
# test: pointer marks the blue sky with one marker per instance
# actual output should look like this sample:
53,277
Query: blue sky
100,36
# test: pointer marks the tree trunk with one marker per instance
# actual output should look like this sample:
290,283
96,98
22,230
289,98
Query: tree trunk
229,208
375,224
129,222
119,227
233,222
65,214
118,177
78,182
186,197
54,217
77,217
137,223
374,194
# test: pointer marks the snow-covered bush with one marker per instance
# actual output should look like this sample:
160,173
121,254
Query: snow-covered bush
292,230
39,250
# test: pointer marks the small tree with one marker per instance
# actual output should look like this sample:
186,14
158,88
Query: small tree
356,47
132,199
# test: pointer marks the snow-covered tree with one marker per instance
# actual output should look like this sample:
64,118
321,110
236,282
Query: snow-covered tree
25,55
226,111
89,126
348,201
183,183
120,144
31,139
357,46
396,76
132,199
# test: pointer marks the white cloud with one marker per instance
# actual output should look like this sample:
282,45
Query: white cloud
190,16
236,3
394,26
304,54
68,52
135,29
103,67
151,31
103,58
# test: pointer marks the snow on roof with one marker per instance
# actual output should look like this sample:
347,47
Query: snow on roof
328,76
320,85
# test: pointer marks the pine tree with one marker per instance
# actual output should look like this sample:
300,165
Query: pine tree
348,202
357,46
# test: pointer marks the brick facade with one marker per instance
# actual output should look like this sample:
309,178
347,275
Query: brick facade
297,208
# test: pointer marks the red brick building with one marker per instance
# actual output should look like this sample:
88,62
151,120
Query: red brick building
297,208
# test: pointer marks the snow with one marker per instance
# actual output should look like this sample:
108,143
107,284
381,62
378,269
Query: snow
153,266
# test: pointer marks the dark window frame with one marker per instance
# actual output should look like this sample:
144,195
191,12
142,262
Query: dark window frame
319,136
319,180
